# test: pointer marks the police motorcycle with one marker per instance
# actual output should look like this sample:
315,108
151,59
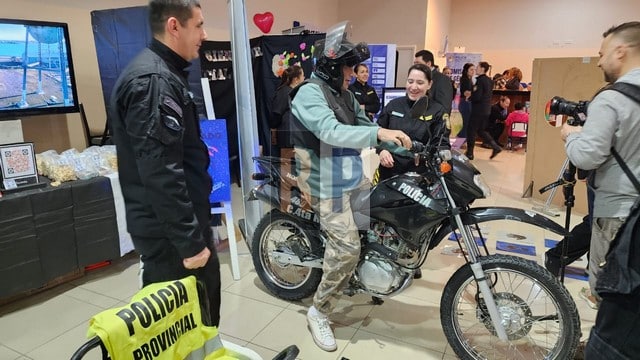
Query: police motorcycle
493,307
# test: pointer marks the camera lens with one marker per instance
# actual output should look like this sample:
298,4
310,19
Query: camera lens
560,106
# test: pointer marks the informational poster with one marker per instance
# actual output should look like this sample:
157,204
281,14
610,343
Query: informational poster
382,66
456,61
214,135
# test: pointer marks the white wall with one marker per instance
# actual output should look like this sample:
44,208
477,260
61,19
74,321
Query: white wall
514,32
437,28
385,22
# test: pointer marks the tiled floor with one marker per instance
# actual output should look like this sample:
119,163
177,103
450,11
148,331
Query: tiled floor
52,324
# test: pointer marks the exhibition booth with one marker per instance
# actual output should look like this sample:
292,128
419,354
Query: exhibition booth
51,232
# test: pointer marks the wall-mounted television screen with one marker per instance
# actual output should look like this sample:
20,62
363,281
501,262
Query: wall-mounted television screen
36,69
390,93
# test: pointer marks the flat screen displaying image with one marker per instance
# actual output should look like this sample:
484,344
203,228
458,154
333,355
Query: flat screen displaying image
36,69
391,93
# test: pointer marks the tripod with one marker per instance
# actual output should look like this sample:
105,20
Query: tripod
566,179
553,187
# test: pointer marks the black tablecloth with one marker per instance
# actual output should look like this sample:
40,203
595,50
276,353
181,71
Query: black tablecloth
52,231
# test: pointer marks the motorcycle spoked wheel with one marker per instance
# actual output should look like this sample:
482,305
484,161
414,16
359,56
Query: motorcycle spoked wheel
279,232
539,315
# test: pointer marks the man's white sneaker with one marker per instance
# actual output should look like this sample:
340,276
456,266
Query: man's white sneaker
321,330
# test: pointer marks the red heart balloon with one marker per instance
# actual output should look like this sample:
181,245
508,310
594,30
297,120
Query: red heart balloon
263,21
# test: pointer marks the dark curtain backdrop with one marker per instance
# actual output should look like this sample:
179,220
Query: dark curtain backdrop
119,35
279,52
270,55
215,64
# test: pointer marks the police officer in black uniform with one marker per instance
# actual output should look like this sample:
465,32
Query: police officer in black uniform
162,161
365,93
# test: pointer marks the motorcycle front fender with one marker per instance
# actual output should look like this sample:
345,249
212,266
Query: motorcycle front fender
484,214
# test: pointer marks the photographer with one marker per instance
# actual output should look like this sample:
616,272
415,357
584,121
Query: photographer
613,121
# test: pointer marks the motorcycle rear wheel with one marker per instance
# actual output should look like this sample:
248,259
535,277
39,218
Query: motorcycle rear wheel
280,232
537,311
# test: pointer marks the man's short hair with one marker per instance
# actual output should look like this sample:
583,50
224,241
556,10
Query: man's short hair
161,10
629,32
485,65
518,106
426,55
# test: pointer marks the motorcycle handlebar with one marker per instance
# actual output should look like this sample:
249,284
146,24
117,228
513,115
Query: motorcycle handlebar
427,152
417,146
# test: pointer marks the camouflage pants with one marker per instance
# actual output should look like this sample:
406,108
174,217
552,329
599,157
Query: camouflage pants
341,253
342,249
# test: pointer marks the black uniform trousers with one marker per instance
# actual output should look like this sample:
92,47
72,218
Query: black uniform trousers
163,263
477,126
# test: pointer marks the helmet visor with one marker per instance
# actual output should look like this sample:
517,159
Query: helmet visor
336,35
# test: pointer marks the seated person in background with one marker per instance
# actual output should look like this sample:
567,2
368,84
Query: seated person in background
513,79
432,127
519,115
365,94
447,72
495,123
499,82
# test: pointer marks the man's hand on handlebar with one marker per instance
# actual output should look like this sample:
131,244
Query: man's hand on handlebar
396,136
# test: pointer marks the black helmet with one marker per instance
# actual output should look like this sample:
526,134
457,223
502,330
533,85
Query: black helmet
335,51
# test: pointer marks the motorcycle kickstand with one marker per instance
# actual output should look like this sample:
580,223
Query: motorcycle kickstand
376,300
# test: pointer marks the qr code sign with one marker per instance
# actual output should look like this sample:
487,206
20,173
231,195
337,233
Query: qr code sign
17,162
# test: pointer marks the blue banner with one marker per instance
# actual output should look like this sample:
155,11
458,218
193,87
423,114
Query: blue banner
382,66
214,135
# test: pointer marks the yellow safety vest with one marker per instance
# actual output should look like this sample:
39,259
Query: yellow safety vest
163,321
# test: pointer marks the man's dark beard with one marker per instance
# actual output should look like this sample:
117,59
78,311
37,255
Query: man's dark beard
608,78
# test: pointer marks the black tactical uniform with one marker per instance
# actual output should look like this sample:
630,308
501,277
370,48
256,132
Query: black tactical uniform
162,164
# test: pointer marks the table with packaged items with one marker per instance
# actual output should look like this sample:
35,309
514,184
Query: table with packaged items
53,233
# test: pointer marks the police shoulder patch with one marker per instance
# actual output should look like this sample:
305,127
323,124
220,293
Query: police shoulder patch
173,105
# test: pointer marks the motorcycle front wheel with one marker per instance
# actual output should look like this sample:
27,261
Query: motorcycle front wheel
540,317
277,236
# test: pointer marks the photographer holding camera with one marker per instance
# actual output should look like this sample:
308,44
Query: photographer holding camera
613,122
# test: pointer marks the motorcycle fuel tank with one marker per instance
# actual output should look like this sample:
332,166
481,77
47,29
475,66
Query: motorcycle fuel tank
407,202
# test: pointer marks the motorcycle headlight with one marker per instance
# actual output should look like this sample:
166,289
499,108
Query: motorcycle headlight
479,181
445,155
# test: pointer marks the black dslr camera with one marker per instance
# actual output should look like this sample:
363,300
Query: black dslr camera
577,111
